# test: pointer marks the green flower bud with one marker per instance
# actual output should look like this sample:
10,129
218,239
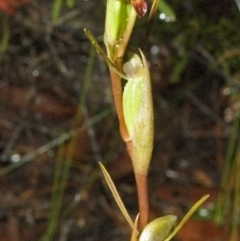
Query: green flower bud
159,229
138,111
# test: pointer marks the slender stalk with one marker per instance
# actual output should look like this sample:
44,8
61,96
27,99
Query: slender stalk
142,190
117,95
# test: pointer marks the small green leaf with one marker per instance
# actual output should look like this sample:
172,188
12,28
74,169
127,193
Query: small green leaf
158,229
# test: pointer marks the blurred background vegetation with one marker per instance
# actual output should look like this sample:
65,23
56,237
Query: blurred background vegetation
57,121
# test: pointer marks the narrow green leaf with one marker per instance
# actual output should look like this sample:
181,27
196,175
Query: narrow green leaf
187,216
56,10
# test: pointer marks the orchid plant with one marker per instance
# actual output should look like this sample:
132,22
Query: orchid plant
135,112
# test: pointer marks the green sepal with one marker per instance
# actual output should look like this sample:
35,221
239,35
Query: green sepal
132,97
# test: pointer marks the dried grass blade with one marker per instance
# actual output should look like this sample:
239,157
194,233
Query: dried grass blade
135,231
116,195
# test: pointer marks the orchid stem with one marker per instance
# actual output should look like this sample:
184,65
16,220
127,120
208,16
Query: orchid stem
117,95
142,190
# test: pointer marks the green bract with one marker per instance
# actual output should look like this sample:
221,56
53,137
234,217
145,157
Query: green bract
117,17
138,110
159,229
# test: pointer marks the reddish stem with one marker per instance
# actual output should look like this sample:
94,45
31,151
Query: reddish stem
142,189
117,95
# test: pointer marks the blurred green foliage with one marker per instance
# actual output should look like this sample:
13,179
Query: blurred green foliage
211,26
